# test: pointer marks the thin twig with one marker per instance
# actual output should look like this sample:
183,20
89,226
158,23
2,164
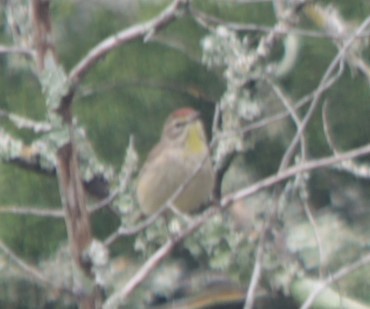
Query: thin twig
263,50
26,123
28,269
191,91
124,232
178,47
341,273
31,271
104,202
264,122
209,21
303,144
246,1
292,112
356,169
150,265
54,213
306,207
257,269
227,201
324,85
320,90
316,234
256,275
29,211
294,170
135,32
16,50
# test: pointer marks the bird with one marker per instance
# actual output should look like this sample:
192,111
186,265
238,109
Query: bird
181,158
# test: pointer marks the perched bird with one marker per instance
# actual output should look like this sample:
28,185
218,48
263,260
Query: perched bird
174,160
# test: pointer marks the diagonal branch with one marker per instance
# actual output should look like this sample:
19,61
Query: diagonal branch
341,273
31,271
151,264
337,61
28,269
355,168
25,123
144,30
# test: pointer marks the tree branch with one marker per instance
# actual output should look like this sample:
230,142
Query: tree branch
32,272
342,272
16,50
58,101
226,202
325,79
28,211
144,30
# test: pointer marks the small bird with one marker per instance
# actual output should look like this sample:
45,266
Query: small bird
182,147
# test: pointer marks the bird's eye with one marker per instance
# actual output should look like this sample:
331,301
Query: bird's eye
179,124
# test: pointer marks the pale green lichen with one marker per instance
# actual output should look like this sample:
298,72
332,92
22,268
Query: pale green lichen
55,86
10,147
238,105
216,244
90,164
124,185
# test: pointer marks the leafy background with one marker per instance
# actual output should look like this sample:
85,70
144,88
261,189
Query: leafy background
133,89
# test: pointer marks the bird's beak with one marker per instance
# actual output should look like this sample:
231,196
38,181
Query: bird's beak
194,117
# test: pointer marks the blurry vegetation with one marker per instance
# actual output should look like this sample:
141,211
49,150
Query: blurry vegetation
136,86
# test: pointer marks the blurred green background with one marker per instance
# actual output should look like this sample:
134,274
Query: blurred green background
134,88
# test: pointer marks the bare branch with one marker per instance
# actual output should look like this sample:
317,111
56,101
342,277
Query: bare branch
135,32
256,275
292,112
324,80
325,84
29,211
32,272
16,50
257,269
298,124
42,34
339,29
292,171
73,198
26,123
338,275
55,213
246,1
122,232
209,21
29,156
151,264
191,91
227,201
283,26
350,166
58,102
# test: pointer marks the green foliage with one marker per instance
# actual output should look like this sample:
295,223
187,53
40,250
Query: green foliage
134,88
260,14
31,237
28,102
216,246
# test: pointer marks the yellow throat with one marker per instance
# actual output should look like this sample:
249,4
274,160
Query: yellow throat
195,143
